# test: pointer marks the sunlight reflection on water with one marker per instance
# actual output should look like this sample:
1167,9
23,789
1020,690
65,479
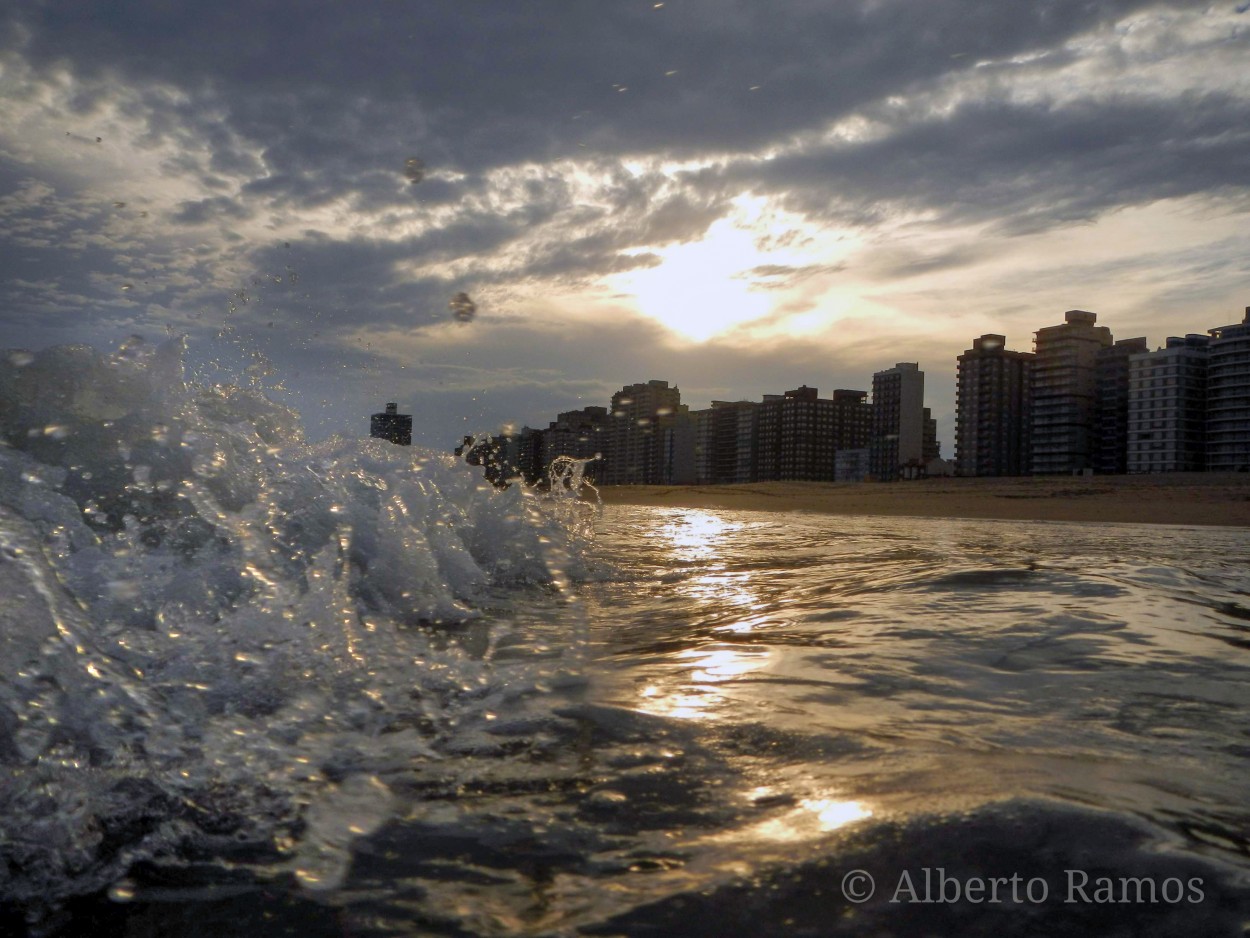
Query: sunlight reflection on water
970,658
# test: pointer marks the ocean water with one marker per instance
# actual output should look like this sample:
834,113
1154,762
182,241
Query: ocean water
251,685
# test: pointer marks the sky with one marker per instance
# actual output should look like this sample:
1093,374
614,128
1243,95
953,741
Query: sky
733,196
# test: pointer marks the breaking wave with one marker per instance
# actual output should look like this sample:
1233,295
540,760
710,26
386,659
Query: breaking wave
217,639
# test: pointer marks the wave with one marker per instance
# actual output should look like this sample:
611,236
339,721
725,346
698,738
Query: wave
216,638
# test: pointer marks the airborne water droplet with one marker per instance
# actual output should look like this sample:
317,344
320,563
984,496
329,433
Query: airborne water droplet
123,891
463,307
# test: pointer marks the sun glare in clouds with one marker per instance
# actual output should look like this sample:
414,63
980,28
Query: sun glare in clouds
701,289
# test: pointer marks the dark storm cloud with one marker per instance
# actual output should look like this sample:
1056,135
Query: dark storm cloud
1024,167
199,211
499,83
298,109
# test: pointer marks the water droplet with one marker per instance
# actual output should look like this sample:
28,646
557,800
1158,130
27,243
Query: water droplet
414,169
123,891
127,287
463,307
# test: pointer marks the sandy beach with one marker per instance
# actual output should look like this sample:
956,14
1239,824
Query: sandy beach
1178,498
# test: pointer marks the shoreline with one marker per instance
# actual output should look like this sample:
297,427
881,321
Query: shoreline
1189,498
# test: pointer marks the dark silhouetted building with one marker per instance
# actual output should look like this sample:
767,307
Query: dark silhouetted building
529,454
799,433
392,426
725,438
1167,407
931,446
1111,367
579,434
635,451
992,409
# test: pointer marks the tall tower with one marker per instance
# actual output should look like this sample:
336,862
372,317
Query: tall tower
1228,398
731,437
1064,390
992,409
1111,407
1167,407
897,421
580,434
635,452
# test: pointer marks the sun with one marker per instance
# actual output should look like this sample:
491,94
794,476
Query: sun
701,289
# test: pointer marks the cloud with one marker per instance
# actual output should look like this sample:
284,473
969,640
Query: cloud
162,167
1023,167
785,276
199,211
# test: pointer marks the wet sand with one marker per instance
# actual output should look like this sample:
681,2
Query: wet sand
1174,498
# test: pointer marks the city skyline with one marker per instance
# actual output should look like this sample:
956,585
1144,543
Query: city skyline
999,384
728,193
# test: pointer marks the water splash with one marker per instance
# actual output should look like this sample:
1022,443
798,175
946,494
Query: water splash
217,639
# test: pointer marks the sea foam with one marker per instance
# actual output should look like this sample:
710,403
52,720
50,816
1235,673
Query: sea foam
217,639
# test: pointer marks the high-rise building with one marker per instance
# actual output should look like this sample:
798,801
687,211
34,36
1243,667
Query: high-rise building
1111,376
850,419
730,442
529,455
1064,390
702,425
581,434
931,446
634,454
392,426
1228,398
992,409
677,447
1167,407
799,433
897,438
